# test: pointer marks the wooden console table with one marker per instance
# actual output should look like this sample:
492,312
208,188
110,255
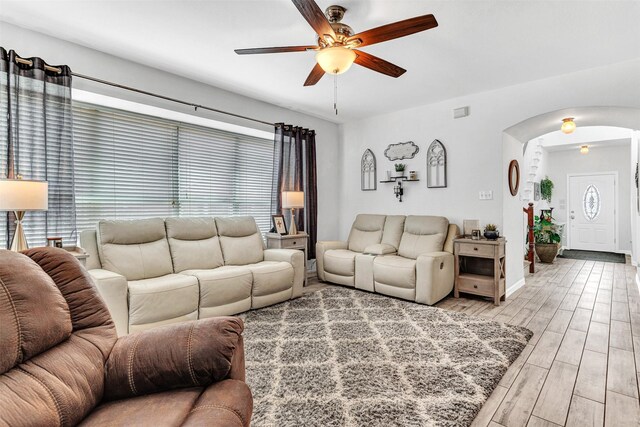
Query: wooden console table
480,268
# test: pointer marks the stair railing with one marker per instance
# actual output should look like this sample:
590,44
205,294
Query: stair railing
530,237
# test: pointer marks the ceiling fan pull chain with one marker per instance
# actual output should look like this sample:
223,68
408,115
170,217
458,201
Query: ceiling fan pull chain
335,93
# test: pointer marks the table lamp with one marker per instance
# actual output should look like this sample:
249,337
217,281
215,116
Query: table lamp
20,196
292,200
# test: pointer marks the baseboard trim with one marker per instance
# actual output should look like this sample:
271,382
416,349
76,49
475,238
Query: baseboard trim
511,289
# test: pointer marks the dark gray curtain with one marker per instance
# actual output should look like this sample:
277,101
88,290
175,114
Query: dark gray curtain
294,169
36,142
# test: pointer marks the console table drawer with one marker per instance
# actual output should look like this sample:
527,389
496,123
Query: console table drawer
479,250
476,284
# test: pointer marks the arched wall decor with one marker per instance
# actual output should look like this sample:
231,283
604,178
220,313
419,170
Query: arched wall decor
368,171
436,165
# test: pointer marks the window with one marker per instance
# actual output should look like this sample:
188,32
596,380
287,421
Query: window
129,165
223,174
591,202
125,165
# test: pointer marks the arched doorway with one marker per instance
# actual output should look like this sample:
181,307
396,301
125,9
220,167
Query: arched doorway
514,140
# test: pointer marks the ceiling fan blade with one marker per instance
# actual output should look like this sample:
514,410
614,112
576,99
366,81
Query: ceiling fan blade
378,64
257,50
395,30
315,17
315,75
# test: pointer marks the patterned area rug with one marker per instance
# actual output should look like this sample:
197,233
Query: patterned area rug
342,357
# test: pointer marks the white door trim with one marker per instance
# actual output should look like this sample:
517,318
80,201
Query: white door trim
615,198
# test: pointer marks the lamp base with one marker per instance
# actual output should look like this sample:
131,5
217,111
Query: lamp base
19,242
293,229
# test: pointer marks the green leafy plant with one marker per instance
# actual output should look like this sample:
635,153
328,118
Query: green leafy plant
545,230
400,167
546,189
490,227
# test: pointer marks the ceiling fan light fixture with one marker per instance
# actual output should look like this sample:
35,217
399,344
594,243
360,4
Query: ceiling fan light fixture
568,125
336,59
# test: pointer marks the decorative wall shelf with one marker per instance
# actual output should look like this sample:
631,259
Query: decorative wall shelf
403,178
398,190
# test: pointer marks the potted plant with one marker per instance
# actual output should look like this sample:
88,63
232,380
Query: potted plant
547,238
546,189
400,169
491,232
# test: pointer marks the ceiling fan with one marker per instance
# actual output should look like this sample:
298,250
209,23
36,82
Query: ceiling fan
337,44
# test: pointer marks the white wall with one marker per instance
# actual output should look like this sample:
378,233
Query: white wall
98,64
600,159
474,146
634,213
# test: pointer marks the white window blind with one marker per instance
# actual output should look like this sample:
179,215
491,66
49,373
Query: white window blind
125,165
129,165
224,174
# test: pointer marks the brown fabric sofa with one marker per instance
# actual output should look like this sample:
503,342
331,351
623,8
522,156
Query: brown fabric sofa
61,363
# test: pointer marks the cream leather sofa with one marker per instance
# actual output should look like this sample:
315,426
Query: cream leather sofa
156,271
406,257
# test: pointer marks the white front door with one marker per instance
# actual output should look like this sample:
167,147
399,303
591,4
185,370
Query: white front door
592,212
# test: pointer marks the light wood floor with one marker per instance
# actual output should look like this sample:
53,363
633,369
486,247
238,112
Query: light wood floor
581,366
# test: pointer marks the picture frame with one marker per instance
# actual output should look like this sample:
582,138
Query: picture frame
279,224
536,191
475,235
469,225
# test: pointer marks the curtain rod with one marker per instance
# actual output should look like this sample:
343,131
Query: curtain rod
144,92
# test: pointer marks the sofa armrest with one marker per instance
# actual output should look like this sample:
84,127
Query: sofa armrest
188,354
294,257
114,289
434,276
321,248
380,249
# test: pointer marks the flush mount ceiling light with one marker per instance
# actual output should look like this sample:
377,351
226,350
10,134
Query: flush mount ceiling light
584,149
568,125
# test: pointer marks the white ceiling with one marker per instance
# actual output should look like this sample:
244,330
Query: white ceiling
478,46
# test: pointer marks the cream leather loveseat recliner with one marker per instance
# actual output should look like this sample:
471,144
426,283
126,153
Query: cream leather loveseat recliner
406,257
156,271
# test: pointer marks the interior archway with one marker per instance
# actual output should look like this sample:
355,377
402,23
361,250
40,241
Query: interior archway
514,140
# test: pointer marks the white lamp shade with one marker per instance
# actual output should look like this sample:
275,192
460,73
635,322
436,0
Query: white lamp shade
23,195
292,199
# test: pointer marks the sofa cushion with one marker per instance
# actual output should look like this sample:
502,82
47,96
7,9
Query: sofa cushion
423,234
225,285
161,298
144,410
135,249
340,261
365,231
240,240
395,270
270,277
393,228
34,316
194,243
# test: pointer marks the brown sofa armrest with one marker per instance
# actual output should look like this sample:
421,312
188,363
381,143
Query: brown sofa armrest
180,355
